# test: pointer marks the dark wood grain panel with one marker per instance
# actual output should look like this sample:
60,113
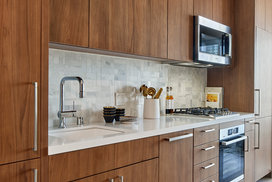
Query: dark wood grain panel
223,11
141,172
7,120
201,155
176,158
25,170
206,134
129,26
26,58
104,177
136,151
180,30
8,173
200,173
74,165
69,22
203,8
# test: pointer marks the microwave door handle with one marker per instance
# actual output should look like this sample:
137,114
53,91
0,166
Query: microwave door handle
234,141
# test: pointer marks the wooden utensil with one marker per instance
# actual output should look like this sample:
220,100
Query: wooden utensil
157,96
151,91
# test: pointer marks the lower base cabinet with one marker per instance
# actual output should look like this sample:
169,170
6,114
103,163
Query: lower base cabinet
249,152
262,147
21,171
142,172
176,157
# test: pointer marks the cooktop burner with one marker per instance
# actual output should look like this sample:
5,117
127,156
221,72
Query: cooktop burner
206,111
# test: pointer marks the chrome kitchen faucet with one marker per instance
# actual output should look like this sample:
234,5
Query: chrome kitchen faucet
72,113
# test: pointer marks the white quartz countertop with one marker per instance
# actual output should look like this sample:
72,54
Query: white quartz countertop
89,136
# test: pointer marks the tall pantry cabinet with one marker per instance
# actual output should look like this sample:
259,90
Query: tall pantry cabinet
20,68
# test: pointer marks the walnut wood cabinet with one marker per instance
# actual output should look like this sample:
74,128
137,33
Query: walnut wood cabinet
141,172
69,22
180,30
79,164
176,157
20,61
22,171
262,147
129,26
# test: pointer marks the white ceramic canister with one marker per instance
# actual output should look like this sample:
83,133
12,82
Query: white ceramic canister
151,108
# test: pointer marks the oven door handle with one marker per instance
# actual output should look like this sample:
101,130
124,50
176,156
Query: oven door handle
234,141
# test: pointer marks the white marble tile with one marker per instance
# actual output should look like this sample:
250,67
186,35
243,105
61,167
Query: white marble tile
105,75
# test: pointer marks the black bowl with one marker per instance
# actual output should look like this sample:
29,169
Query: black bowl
109,119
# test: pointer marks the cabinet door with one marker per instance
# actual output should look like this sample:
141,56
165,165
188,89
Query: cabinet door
141,172
262,147
104,177
268,15
176,157
21,171
69,22
263,66
260,14
28,171
223,11
8,172
249,157
203,8
20,44
180,30
129,26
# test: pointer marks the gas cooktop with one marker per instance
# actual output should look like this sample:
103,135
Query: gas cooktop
213,113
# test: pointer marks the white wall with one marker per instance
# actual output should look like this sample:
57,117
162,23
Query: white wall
104,76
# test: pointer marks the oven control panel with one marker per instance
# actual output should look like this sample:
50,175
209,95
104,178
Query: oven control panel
232,131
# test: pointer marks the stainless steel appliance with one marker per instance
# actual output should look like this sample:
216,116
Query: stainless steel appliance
206,112
212,42
231,154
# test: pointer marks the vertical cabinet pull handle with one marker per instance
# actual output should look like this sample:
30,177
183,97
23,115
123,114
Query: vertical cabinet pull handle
247,150
259,102
259,129
35,175
35,148
121,178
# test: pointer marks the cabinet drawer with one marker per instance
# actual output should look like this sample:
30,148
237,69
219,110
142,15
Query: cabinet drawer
205,152
136,151
74,165
206,134
213,178
205,169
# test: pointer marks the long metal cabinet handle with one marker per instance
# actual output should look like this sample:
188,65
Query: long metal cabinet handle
259,102
179,137
208,131
35,175
121,178
208,148
259,136
247,150
209,166
35,148
234,141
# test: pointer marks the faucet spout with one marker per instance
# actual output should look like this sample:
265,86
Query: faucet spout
61,107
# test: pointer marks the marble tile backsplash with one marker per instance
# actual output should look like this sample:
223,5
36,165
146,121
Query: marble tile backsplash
112,81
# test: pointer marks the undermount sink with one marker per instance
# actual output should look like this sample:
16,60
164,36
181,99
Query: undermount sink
82,134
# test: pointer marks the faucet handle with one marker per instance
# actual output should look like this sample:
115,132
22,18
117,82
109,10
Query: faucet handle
80,121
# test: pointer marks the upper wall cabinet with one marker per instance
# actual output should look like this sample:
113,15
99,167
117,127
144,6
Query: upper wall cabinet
263,18
217,10
180,29
129,26
69,22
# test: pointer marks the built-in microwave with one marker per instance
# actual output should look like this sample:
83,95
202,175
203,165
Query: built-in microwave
212,42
